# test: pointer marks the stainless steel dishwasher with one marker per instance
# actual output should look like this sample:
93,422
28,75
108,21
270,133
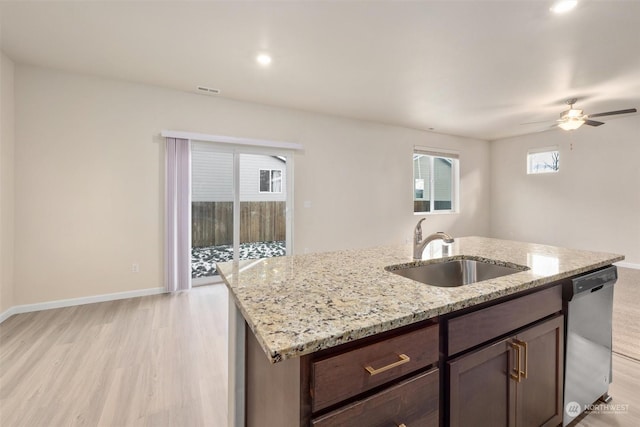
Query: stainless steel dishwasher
589,309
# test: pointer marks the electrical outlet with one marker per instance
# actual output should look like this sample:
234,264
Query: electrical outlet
135,268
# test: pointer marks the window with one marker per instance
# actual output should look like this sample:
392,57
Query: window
435,181
543,160
270,181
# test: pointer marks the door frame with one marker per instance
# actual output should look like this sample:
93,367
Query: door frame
237,150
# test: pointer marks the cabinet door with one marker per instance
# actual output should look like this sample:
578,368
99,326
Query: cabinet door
539,395
481,391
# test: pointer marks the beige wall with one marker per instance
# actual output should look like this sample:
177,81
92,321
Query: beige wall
593,203
89,179
6,181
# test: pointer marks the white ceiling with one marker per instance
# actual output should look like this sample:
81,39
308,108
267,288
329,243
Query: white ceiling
472,68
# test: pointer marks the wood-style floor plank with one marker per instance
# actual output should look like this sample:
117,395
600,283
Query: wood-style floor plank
158,360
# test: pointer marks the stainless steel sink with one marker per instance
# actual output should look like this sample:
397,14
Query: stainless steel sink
454,272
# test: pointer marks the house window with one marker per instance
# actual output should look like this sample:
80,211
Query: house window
270,181
543,160
435,181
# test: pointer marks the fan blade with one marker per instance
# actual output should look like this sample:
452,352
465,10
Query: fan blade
593,123
535,123
613,113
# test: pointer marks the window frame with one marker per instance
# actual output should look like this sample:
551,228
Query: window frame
454,158
533,151
271,180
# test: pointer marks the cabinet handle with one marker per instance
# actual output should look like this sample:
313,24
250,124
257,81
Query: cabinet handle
516,365
526,358
402,425
403,359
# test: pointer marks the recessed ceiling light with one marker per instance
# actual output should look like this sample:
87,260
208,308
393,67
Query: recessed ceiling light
263,59
563,6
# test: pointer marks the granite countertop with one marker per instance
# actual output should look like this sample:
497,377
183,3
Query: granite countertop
300,304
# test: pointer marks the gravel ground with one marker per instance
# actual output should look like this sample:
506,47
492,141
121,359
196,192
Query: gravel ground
203,259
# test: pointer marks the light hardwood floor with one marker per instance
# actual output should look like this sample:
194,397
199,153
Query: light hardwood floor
157,361
161,361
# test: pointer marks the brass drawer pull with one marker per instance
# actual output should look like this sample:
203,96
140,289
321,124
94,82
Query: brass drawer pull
516,365
403,359
526,357
402,425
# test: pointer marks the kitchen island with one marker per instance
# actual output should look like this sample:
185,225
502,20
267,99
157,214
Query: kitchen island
308,317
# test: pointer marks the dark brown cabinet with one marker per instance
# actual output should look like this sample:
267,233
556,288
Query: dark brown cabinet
413,402
494,364
346,374
480,389
515,381
389,379
539,393
339,376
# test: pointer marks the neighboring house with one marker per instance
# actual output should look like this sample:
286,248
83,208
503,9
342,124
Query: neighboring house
262,178
442,176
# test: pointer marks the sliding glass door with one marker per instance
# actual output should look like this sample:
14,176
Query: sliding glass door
263,206
212,198
241,201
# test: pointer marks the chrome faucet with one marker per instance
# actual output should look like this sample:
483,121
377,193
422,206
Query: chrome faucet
419,244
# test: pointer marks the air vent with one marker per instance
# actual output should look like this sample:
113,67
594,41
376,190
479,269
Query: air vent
208,90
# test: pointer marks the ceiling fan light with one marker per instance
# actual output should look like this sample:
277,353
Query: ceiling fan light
574,113
564,6
571,124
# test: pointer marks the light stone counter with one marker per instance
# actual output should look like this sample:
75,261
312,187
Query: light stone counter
297,305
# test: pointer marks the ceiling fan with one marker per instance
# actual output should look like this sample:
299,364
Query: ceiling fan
573,118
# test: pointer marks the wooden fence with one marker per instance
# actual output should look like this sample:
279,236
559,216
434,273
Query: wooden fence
425,206
212,222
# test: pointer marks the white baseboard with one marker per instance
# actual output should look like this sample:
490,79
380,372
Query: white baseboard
627,265
27,308
8,313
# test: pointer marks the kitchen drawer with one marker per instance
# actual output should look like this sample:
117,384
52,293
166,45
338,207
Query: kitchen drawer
483,325
348,374
413,402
